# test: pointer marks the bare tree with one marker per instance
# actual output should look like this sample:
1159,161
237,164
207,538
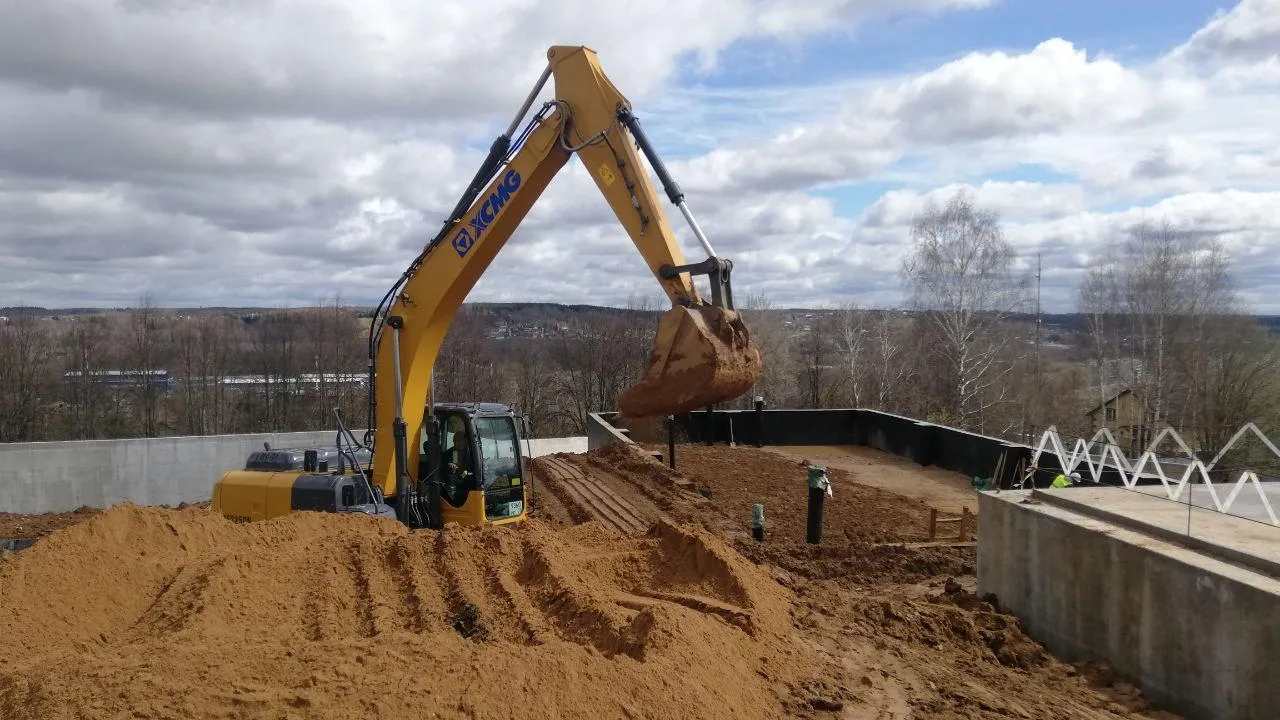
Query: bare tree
769,333
1099,300
146,352
203,347
596,357
25,357
1237,382
819,355
274,355
853,342
330,350
1158,303
85,352
873,345
531,375
961,276
467,368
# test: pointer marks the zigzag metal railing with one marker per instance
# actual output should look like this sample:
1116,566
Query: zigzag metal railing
1083,453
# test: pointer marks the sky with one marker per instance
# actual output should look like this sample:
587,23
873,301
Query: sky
281,152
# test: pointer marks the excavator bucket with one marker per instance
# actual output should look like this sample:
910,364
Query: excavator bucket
700,356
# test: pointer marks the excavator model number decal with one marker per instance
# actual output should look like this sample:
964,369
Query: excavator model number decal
466,238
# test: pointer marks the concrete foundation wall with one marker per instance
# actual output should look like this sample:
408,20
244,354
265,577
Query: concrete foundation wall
61,476
601,432
1199,636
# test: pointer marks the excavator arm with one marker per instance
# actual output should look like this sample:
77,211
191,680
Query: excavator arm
702,353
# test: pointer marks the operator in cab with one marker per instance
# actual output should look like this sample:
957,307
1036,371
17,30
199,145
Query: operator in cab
458,465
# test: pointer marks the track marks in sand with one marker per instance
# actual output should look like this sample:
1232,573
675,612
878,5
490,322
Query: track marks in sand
419,584
588,498
289,615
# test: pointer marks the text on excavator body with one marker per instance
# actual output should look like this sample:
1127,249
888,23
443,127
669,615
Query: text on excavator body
466,237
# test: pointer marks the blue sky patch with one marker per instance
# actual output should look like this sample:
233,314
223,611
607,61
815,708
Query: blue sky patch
1133,31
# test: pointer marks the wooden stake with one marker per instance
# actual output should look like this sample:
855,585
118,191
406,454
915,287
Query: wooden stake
933,523
995,477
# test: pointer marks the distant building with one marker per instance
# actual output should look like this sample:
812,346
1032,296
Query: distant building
303,381
124,379
120,379
1123,414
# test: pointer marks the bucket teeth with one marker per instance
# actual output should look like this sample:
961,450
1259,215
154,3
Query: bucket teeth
700,356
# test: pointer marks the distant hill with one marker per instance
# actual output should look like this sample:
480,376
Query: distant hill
546,312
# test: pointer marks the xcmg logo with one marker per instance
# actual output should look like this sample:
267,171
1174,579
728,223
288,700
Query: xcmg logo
467,237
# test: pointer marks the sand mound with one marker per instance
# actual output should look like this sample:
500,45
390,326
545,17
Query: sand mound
144,612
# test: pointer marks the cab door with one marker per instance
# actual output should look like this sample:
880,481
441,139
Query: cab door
501,470
461,497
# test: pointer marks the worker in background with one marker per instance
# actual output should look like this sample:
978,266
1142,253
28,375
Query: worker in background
1061,480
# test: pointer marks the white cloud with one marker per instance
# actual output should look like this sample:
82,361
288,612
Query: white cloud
246,151
1238,48
1014,201
1053,89
254,148
1249,32
1054,86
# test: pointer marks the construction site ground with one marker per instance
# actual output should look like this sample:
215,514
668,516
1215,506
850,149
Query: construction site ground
937,488
632,592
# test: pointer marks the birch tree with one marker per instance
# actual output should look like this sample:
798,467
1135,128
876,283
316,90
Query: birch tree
873,347
961,278
1166,317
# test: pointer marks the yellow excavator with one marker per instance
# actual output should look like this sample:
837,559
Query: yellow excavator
461,462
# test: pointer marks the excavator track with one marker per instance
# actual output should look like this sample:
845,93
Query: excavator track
591,497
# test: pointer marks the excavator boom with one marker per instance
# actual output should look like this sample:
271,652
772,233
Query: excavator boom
702,352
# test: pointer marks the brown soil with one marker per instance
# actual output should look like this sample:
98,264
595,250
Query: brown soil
143,612
942,489
633,592
896,624
902,653
24,527
736,478
700,356
17,526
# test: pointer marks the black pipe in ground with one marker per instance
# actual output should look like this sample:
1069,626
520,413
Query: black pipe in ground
759,421
819,487
671,441
814,535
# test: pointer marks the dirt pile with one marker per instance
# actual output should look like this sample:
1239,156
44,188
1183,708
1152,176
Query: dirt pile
897,652
143,612
896,627
734,479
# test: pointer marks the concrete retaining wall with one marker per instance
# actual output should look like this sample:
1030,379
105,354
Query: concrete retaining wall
61,476
1199,636
601,432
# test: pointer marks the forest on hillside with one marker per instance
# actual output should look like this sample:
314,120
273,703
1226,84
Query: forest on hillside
1157,315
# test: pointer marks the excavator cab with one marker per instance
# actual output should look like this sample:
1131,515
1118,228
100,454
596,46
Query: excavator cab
471,460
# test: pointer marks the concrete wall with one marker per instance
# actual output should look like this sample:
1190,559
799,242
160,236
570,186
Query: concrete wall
601,432
1199,636
61,476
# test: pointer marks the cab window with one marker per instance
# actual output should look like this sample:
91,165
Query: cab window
500,451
